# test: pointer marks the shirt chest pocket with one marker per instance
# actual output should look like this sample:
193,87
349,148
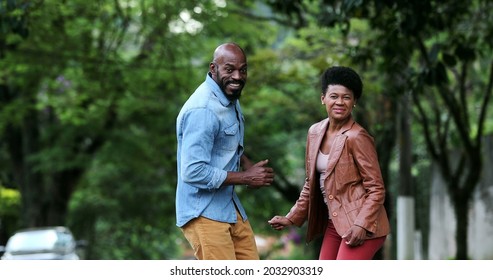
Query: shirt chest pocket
229,138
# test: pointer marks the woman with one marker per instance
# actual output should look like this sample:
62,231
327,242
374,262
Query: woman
344,193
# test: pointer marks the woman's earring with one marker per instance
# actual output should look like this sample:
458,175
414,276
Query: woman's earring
323,103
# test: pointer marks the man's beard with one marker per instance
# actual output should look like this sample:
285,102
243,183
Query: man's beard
235,94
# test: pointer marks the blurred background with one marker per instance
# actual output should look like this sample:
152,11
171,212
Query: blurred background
90,90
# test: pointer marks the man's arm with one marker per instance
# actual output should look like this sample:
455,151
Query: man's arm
245,162
255,175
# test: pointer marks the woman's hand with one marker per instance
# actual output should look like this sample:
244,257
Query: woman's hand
279,222
355,236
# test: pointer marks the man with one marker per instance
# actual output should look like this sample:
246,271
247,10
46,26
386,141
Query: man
210,130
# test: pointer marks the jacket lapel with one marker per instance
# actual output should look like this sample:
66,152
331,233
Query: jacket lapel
338,146
315,140
335,152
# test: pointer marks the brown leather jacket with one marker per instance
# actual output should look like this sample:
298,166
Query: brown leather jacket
354,185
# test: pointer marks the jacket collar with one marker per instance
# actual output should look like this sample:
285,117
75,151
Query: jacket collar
316,137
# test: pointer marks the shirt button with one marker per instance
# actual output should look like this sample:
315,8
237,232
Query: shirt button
334,214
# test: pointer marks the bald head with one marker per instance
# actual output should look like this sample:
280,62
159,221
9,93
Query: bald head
229,69
228,50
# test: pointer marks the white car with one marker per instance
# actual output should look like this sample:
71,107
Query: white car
48,243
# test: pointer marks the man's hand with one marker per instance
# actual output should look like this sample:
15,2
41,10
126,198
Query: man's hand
258,175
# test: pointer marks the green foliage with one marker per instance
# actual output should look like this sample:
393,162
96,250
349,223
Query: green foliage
123,228
9,202
124,203
10,206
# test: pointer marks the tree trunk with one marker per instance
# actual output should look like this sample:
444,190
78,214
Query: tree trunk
44,196
405,207
462,197
461,208
23,142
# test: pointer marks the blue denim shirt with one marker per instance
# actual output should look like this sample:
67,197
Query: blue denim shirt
210,131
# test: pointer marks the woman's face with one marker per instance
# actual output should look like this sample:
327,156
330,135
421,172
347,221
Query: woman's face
339,102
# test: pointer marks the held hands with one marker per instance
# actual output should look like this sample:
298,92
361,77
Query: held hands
279,222
355,236
258,175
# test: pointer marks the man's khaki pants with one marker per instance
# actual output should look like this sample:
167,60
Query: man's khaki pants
212,240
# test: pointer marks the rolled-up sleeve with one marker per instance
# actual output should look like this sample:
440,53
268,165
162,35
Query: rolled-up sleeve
199,127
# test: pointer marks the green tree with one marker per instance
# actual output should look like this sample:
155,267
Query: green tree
306,48
440,53
9,212
450,78
88,101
